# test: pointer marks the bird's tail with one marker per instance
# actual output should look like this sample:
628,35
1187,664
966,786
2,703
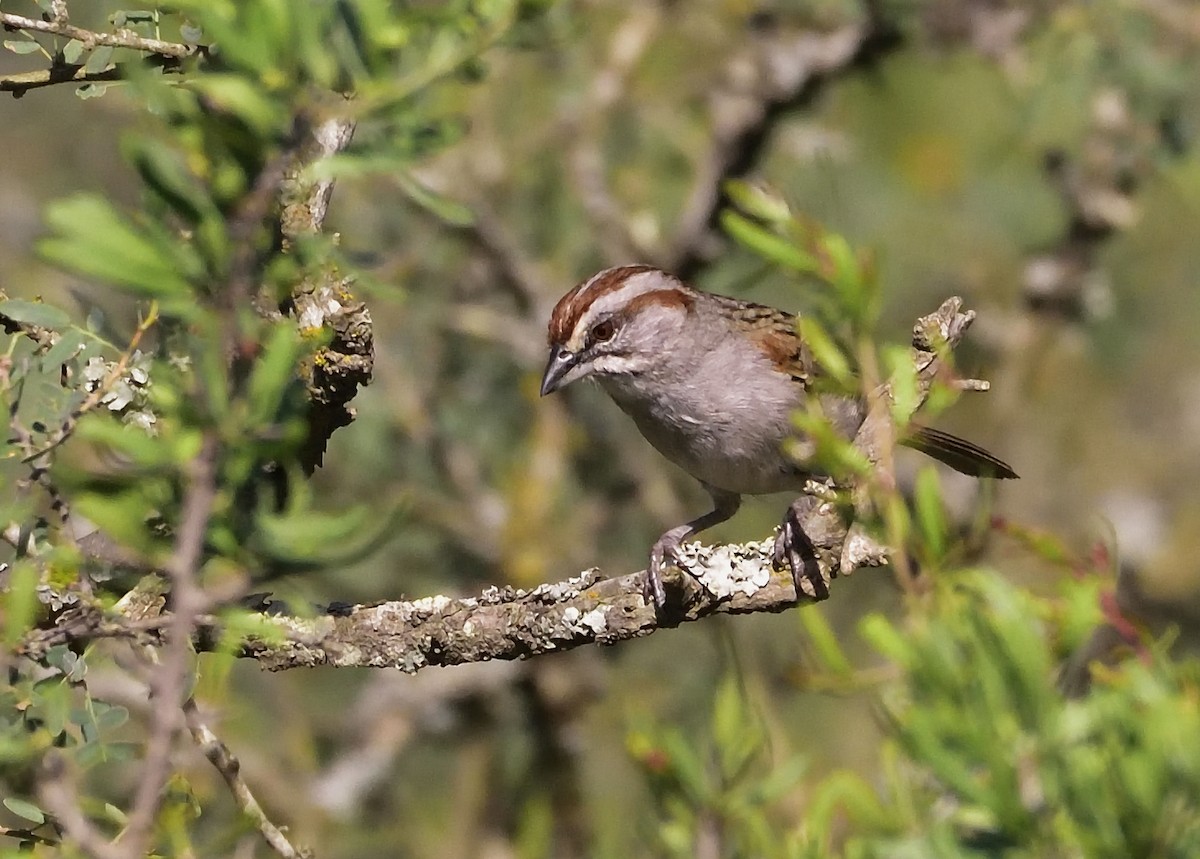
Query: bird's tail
958,453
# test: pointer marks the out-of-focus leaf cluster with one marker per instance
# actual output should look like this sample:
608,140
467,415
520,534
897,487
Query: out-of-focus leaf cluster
107,432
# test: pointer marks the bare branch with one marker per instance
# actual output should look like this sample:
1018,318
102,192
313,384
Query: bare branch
59,795
20,82
779,72
92,39
230,769
169,680
325,300
631,40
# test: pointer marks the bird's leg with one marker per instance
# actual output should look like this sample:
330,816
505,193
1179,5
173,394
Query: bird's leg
725,504
798,549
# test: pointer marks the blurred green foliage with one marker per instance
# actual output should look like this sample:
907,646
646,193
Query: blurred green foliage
946,736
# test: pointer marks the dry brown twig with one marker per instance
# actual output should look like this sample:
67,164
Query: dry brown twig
228,766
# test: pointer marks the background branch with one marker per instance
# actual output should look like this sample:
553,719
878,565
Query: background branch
92,39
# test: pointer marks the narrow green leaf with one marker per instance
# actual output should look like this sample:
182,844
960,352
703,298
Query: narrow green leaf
824,642
758,202
931,515
242,98
445,209
20,601
902,379
163,171
94,239
884,637
826,352
273,372
34,313
769,246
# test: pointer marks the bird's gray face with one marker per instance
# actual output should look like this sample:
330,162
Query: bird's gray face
613,325
601,348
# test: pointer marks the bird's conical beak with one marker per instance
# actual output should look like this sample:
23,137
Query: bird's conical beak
561,362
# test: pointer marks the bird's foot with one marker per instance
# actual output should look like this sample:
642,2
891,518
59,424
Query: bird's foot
795,551
661,555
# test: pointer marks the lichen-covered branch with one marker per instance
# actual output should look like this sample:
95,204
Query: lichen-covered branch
506,623
325,301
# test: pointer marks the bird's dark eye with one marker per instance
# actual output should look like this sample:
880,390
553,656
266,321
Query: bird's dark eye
603,331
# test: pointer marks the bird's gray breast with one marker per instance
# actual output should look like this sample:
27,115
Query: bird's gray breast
723,419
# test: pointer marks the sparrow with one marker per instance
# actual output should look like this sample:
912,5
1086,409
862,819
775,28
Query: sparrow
712,383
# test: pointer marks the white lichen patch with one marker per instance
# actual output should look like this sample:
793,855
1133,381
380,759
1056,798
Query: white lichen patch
729,569
862,550
596,620
428,605
572,587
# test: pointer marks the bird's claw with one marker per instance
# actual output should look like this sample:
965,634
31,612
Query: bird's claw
795,551
653,590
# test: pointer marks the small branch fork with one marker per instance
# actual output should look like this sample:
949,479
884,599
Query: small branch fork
165,54
92,39
505,623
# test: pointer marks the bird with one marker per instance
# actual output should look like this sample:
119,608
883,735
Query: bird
712,383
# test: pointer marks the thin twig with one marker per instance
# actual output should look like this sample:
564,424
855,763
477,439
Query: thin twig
22,81
59,796
168,683
230,769
97,396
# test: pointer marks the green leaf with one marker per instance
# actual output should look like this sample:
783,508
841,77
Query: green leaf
931,515
25,809
72,51
96,240
112,717
148,452
902,379
163,171
884,637
687,768
99,60
769,246
826,352
34,313
70,343
758,202
242,98
823,640
91,90
443,208
20,601
22,47
273,373
310,538
122,513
